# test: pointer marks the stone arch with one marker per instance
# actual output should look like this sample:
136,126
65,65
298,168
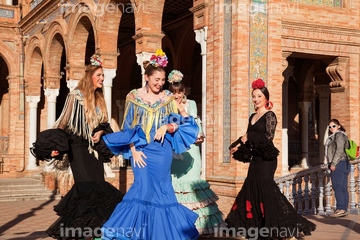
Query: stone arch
80,28
55,47
127,60
34,66
185,53
305,79
7,54
107,25
148,25
169,49
186,41
4,95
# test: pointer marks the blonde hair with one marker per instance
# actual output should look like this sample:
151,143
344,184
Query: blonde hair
92,99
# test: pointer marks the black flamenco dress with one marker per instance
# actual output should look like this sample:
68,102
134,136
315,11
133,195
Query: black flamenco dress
91,200
260,204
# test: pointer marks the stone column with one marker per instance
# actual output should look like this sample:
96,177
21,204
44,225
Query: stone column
140,58
304,107
33,102
109,75
200,37
323,92
72,83
51,95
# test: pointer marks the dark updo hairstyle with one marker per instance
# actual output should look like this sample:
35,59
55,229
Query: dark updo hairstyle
337,122
150,69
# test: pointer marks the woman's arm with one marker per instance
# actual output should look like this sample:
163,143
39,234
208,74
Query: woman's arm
181,109
341,141
271,122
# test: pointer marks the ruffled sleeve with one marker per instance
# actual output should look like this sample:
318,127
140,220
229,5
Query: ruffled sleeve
119,142
185,135
243,153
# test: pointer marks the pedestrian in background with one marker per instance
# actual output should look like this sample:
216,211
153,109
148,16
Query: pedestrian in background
339,165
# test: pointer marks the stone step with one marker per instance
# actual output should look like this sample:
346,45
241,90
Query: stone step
30,198
24,189
20,181
20,188
24,194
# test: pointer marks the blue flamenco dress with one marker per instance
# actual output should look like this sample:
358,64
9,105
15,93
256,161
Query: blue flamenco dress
150,210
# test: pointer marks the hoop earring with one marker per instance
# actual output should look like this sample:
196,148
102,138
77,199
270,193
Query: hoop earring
269,105
147,86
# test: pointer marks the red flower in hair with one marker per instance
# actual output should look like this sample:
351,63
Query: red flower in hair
258,83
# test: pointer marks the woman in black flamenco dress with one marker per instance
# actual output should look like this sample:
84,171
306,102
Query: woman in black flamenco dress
260,204
91,200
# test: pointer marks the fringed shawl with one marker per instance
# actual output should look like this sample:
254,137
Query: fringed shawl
73,118
138,112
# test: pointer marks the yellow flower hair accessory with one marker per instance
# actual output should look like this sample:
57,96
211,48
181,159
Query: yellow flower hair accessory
159,59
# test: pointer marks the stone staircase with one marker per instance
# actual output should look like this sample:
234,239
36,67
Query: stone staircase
24,189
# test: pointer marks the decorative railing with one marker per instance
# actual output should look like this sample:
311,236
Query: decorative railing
310,191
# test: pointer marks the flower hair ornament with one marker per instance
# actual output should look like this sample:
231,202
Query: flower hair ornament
159,59
175,76
95,60
258,83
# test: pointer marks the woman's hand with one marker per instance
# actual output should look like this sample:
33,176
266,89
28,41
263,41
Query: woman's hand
244,138
160,133
232,150
97,136
54,153
200,139
181,109
332,168
179,106
138,158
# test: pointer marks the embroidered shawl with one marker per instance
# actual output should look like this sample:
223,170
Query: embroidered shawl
73,119
139,112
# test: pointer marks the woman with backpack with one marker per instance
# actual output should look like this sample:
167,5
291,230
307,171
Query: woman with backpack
339,165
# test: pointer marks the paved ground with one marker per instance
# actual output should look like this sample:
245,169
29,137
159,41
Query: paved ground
27,220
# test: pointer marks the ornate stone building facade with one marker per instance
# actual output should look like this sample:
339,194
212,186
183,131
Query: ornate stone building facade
307,52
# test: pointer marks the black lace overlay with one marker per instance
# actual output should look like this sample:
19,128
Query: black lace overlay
258,144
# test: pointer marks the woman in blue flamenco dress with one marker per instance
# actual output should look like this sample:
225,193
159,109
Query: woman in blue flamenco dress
151,131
